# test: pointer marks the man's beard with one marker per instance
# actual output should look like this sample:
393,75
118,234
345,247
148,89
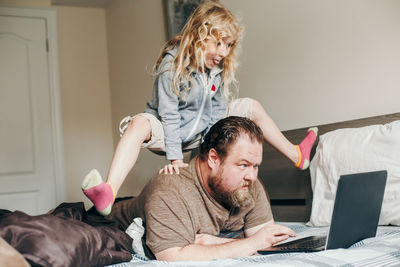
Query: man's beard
236,199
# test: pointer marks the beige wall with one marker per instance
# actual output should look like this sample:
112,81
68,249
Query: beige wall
308,62
135,35
85,93
312,62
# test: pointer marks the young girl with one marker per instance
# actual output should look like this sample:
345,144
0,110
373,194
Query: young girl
195,72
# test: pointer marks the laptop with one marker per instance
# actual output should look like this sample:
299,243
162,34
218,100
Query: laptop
355,215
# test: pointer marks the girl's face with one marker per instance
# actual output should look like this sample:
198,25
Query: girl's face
217,51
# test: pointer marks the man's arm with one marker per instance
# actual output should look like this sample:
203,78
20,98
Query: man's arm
253,230
206,239
266,236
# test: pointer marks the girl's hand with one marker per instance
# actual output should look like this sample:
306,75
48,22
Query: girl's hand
173,167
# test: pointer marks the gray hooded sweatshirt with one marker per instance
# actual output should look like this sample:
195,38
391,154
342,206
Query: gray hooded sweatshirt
192,114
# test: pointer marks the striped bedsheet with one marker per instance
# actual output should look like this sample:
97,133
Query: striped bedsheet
382,250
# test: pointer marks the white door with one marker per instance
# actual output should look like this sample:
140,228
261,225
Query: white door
28,161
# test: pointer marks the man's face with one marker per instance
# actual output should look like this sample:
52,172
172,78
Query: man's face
237,173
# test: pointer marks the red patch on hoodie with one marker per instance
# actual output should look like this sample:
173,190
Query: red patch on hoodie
213,88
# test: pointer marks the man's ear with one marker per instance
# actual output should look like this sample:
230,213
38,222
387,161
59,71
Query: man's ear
213,159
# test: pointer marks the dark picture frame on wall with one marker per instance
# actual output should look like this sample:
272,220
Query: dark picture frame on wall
177,12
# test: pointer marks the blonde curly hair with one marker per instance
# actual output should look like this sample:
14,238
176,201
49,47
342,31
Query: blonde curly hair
209,20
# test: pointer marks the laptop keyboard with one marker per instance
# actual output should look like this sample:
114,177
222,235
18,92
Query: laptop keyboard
310,242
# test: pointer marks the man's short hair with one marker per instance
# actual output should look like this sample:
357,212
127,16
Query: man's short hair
226,132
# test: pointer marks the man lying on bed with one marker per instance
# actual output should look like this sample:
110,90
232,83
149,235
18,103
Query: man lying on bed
185,213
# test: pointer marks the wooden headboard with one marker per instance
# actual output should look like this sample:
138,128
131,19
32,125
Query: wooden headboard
289,189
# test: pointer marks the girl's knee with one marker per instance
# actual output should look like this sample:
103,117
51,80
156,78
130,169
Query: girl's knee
140,120
259,113
257,105
257,108
140,126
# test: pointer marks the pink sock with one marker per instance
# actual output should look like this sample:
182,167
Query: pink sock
101,194
304,149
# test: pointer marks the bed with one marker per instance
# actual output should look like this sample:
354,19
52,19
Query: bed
383,250
293,203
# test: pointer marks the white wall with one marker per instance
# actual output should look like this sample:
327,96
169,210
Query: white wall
313,62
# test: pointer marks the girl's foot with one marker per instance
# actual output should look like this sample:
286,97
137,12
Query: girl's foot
101,194
304,148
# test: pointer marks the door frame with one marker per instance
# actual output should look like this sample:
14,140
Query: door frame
50,17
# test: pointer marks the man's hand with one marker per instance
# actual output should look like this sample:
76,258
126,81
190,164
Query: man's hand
269,235
173,167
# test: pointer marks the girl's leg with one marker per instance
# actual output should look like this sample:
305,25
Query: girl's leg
127,151
103,194
298,154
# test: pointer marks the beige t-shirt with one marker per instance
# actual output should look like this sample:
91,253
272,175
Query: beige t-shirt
177,207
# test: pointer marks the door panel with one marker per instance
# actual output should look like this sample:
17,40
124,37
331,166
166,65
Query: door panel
27,165
16,138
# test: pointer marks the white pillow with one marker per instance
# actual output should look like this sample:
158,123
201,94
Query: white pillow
355,150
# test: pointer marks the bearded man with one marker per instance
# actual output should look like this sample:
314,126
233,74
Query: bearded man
218,192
